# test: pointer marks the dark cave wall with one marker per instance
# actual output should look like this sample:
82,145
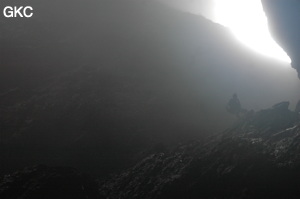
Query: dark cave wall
284,20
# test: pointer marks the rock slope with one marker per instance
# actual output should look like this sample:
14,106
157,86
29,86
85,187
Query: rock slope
257,158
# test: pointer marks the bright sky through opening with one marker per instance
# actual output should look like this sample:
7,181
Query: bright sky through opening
247,20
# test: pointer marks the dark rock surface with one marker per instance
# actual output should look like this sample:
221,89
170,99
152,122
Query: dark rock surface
284,22
48,182
256,158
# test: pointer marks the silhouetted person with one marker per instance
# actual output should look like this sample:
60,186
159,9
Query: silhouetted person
234,106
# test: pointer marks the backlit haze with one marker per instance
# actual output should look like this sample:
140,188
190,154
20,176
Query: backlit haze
248,22
245,18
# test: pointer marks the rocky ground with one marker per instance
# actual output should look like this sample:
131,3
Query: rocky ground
258,157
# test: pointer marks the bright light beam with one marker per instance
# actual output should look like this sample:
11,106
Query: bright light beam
247,20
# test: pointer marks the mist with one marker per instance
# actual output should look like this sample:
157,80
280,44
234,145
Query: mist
95,84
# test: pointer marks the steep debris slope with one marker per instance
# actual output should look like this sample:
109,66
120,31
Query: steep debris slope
257,158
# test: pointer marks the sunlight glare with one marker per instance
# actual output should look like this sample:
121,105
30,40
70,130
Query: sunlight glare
247,20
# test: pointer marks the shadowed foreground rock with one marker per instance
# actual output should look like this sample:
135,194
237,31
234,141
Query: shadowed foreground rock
257,158
43,182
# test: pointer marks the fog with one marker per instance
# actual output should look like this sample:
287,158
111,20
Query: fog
200,7
93,84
